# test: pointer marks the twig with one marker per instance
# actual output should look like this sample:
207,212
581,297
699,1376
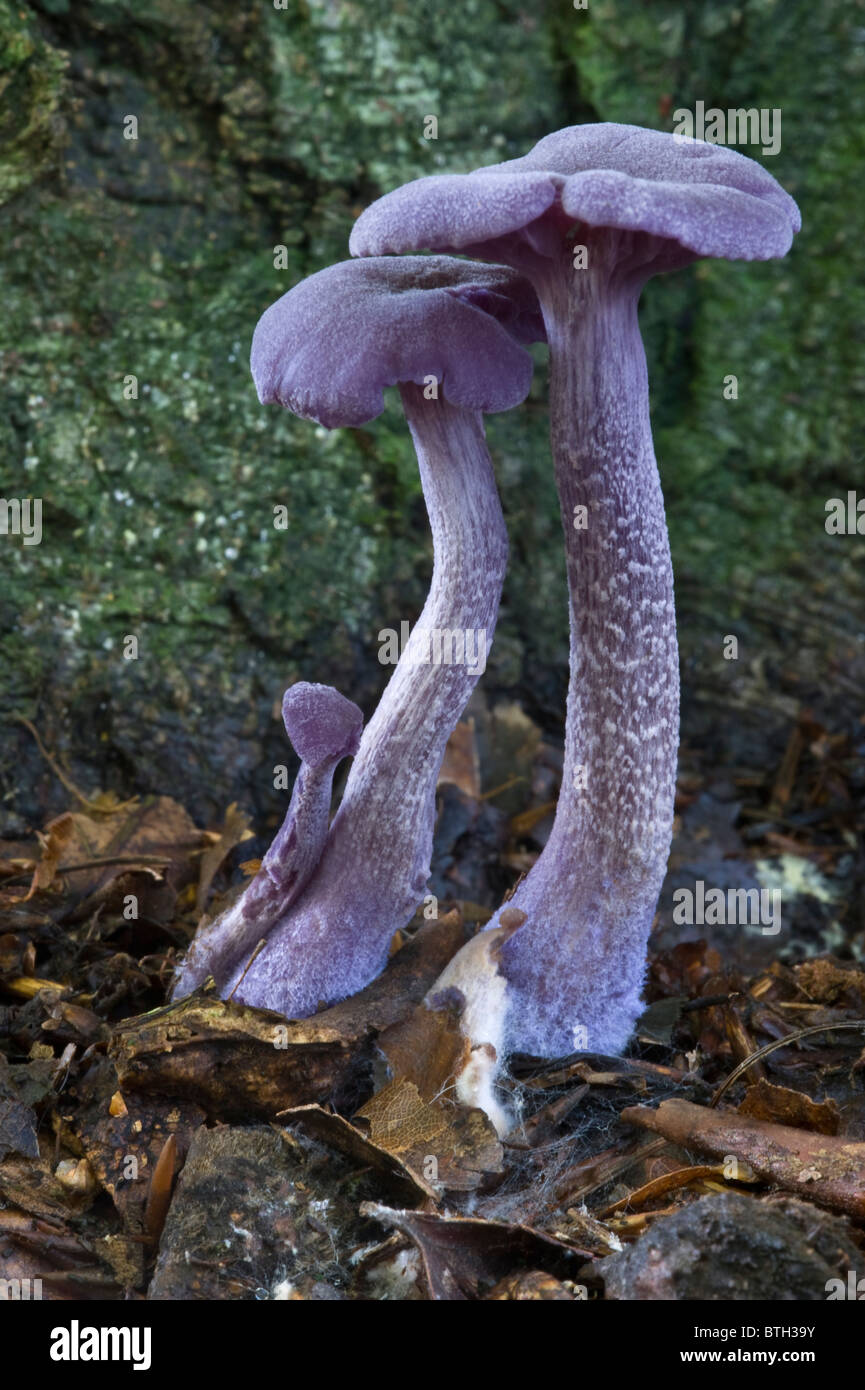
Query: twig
148,860
256,953
67,781
781,1042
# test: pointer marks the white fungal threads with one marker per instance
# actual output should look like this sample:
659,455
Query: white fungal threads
474,972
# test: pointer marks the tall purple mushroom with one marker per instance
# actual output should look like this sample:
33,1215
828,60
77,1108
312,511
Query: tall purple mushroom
588,216
451,335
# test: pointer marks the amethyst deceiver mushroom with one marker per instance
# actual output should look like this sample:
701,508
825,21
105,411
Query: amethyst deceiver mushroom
451,335
588,216
324,727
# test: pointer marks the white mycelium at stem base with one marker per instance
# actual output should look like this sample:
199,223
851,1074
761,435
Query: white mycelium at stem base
376,862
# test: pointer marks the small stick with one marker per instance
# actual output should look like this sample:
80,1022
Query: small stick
256,953
782,1042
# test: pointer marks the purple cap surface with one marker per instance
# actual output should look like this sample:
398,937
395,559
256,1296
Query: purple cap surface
322,724
328,348
709,199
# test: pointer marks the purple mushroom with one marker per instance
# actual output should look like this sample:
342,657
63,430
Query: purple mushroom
324,727
451,335
588,216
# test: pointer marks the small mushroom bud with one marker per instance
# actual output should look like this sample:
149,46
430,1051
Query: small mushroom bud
324,727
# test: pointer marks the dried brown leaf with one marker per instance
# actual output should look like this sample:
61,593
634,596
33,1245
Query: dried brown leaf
461,765
235,830
454,1148
763,1101
337,1133
465,1257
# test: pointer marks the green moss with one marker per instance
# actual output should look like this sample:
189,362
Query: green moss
746,479
153,258
31,91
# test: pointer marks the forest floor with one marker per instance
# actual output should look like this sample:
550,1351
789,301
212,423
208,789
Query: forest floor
207,1150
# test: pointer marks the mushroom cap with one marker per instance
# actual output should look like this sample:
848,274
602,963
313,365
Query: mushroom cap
322,724
709,199
327,349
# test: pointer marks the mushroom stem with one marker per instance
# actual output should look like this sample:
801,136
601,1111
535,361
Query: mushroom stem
575,969
619,775
324,727
377,859
402,749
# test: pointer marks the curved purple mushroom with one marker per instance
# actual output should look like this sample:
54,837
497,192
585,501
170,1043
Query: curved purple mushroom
450,334
324,727
588,216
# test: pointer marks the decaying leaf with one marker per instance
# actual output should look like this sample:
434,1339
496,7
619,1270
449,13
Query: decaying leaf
461,765
764,1101
235,830
55,842
456,1149
89,850
337,1133
241,1062
464,1257
416,1114
426,1048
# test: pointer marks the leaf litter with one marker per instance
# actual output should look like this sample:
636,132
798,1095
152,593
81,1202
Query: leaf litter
205,1149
